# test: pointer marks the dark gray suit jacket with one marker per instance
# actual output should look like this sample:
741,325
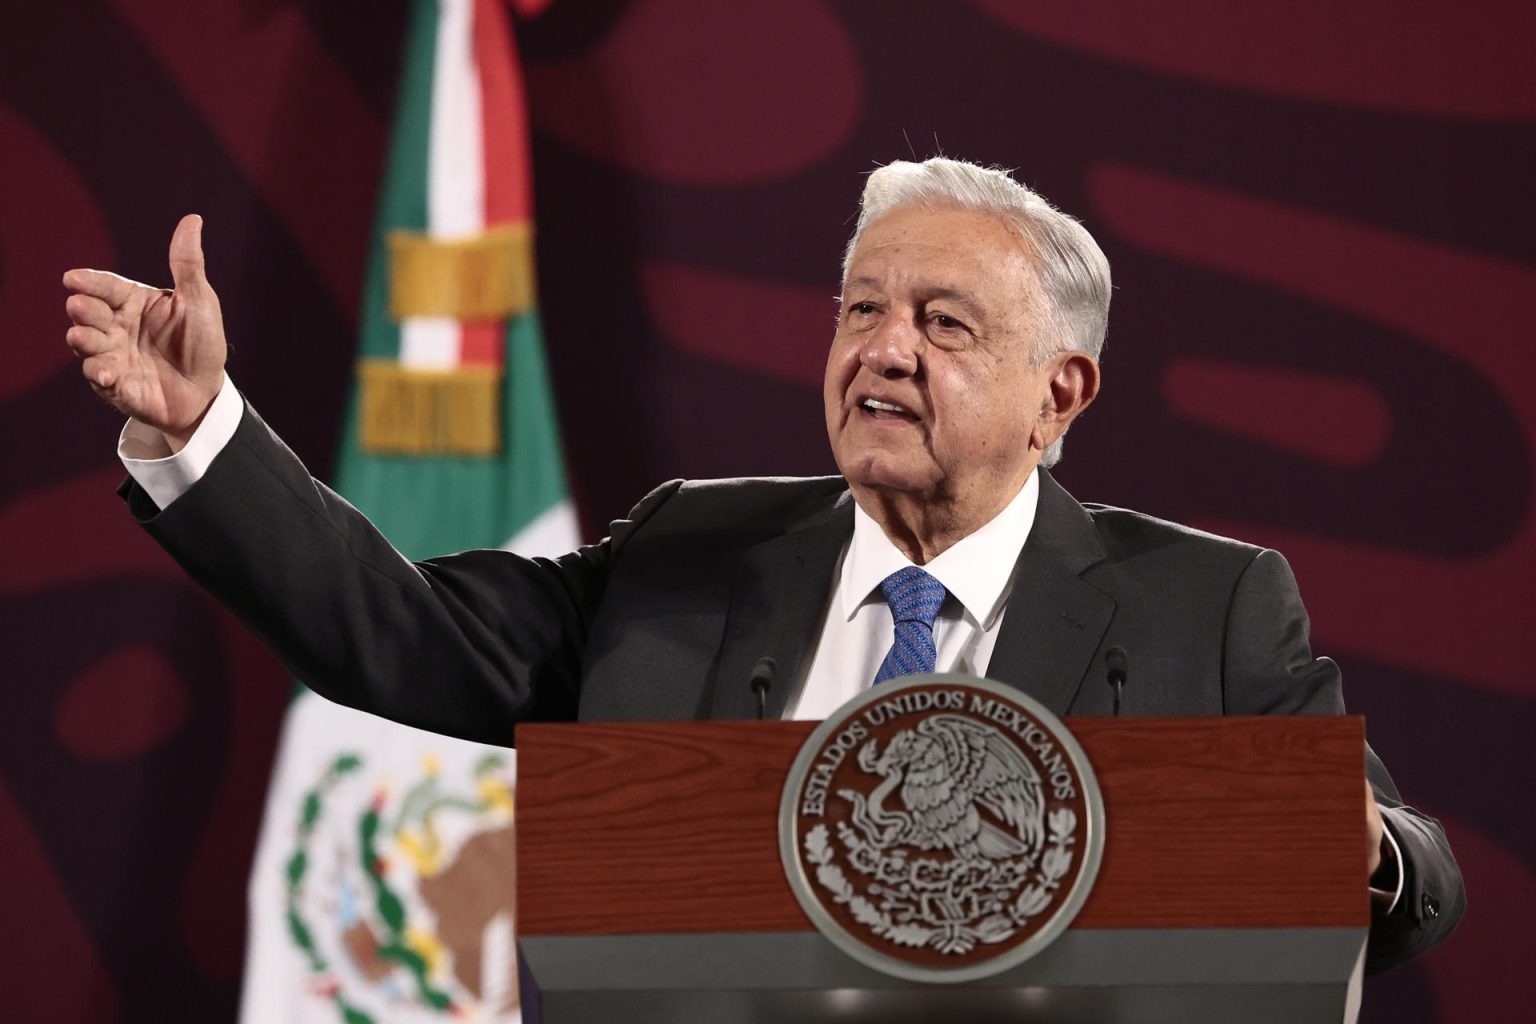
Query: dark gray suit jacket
665,618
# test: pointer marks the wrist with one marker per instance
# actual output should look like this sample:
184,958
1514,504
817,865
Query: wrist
177,437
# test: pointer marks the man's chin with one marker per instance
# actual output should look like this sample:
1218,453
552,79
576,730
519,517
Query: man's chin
879,477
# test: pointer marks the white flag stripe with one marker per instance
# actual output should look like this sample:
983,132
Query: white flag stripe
498,956
456,162
553,533
430,342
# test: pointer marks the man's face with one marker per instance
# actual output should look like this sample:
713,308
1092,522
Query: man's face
931,389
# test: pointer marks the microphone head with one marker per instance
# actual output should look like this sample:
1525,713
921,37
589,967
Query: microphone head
1115,661
762,674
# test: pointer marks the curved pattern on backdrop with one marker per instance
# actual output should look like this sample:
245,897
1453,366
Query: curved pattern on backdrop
1320,223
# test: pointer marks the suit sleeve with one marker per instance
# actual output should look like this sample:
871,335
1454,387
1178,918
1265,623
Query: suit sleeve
467,645
1268,668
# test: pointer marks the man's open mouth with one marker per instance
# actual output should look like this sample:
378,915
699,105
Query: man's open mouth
885,410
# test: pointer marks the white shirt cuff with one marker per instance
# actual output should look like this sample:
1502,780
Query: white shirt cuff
1380,895
147,457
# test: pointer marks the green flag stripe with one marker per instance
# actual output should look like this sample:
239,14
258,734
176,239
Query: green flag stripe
533,449
433,505
403,193
430,505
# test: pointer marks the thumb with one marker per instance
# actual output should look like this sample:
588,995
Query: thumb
187,257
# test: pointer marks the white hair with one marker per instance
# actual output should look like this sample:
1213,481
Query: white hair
1072,269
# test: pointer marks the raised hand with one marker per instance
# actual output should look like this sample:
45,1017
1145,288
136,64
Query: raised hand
155,354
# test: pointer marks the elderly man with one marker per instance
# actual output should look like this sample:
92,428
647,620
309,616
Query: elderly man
972,318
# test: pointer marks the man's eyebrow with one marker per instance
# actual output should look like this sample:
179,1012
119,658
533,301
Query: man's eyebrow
951,294
936,292
959,296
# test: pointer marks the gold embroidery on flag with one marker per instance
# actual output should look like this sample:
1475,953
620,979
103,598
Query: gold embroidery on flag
407,411
487,277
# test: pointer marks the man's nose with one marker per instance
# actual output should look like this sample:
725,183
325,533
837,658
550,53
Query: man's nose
892,349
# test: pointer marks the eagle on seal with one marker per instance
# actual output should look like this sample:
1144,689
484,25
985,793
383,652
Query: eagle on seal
948,768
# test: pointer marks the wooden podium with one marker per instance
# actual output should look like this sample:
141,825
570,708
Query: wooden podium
1232,886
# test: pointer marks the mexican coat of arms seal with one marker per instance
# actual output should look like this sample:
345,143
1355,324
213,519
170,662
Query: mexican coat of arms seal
941,827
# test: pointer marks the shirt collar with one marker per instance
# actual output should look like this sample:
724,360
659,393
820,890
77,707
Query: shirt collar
976,570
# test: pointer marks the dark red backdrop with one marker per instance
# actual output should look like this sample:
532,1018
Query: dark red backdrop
1320,220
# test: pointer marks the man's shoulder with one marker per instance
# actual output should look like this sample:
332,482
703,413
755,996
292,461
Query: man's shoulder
1125,525
761,503
1136,539
765,488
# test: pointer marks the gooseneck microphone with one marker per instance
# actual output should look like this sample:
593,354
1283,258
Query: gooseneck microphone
762,679
1115,662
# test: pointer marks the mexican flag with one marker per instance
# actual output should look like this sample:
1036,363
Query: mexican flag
383,887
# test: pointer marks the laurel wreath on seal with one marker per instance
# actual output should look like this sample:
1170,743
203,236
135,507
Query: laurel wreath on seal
1000,914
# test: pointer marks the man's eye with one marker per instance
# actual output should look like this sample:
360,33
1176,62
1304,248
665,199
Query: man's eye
863,308
946,322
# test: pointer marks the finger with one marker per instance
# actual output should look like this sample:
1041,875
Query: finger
89,311
109,288
101,370
87,341
186,256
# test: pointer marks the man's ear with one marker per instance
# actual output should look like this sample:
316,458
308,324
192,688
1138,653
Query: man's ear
1072,386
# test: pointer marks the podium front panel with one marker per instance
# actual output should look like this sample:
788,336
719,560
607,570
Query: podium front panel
1233,878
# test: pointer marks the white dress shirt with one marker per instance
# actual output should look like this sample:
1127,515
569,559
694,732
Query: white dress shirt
164,476
856,631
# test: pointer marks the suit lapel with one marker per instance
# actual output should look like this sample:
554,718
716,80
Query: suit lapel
1053,626
777,602
1055,620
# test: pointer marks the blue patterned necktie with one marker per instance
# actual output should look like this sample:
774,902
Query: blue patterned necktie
914,597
